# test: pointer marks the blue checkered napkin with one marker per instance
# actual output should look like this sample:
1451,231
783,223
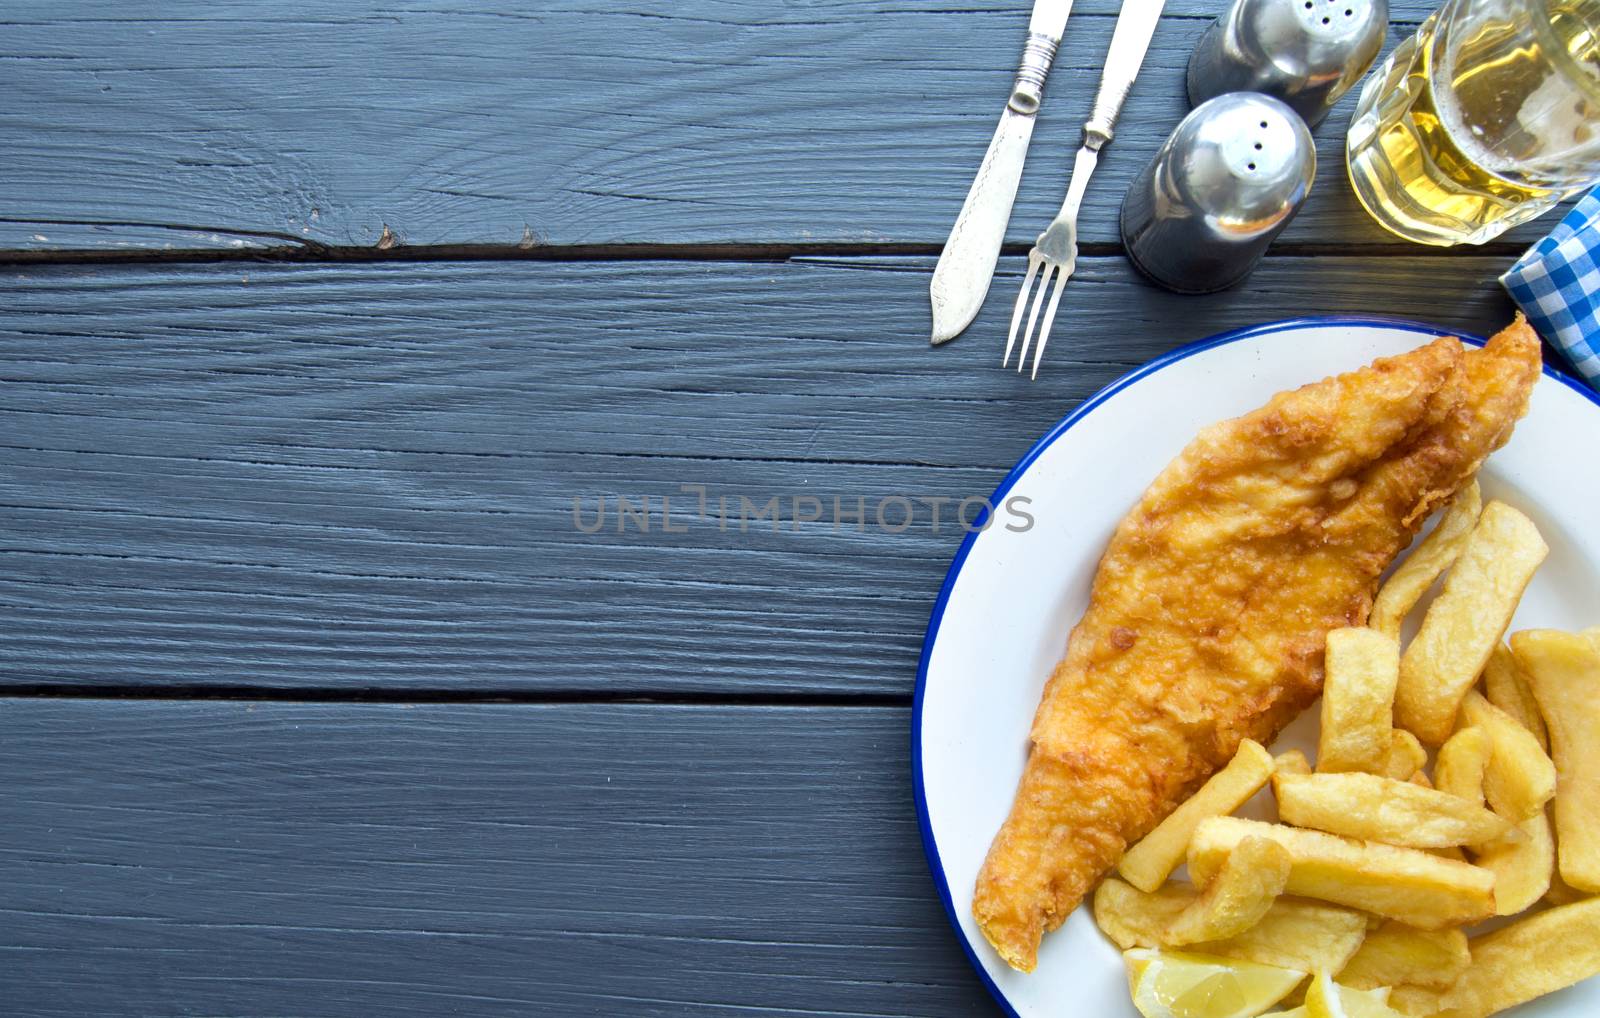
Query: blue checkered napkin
1557,284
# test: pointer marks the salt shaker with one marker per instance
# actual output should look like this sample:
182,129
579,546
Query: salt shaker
1230,178
1306,52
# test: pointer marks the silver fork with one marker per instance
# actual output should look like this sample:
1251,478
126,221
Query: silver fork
1055,253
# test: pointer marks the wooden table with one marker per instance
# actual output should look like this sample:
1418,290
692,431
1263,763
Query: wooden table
316,321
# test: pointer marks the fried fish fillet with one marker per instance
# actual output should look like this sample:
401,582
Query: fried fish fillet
1212,603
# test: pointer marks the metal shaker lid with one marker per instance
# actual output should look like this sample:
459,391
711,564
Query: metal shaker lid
1308,53
1226,182
1243,160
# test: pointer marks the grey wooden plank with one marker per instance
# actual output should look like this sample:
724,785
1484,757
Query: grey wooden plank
563,122
266,859
363,476
111,238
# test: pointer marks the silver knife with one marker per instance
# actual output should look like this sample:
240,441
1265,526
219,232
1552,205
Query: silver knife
961,279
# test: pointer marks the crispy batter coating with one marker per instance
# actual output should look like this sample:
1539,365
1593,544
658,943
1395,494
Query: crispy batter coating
1212,603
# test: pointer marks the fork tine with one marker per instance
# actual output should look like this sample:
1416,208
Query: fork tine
1022,302
1033,315
1049,320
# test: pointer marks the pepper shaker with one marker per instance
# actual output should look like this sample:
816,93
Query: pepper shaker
1227,181
1306,52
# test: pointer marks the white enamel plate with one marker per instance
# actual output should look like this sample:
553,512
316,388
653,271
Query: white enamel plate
1010,598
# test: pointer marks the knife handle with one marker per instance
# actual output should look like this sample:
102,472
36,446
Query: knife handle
1136,23
1037,55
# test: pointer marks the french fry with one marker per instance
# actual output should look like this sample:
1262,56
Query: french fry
1564,671
1406,755
1416,1001
1563,893
1381,809
1524,862
1399,955
1521,864
1504,686
1460,765
1149,863
1466,621
1520,778
1291,762
1406,884
1433,556
1303,935
1135,918
1458,771
1522,868
1526,960
1243,890
1362,668
1420,779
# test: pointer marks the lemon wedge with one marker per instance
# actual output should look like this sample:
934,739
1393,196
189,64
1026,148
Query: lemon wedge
1179,985
1327,999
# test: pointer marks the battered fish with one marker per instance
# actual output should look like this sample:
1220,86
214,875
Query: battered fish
1208,615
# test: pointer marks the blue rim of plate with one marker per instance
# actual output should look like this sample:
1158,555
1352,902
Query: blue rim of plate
929,847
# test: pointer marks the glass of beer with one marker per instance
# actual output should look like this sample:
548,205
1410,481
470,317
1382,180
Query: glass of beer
1486,118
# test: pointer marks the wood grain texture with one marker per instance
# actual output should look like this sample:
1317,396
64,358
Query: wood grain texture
466,122
255,860
363,476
